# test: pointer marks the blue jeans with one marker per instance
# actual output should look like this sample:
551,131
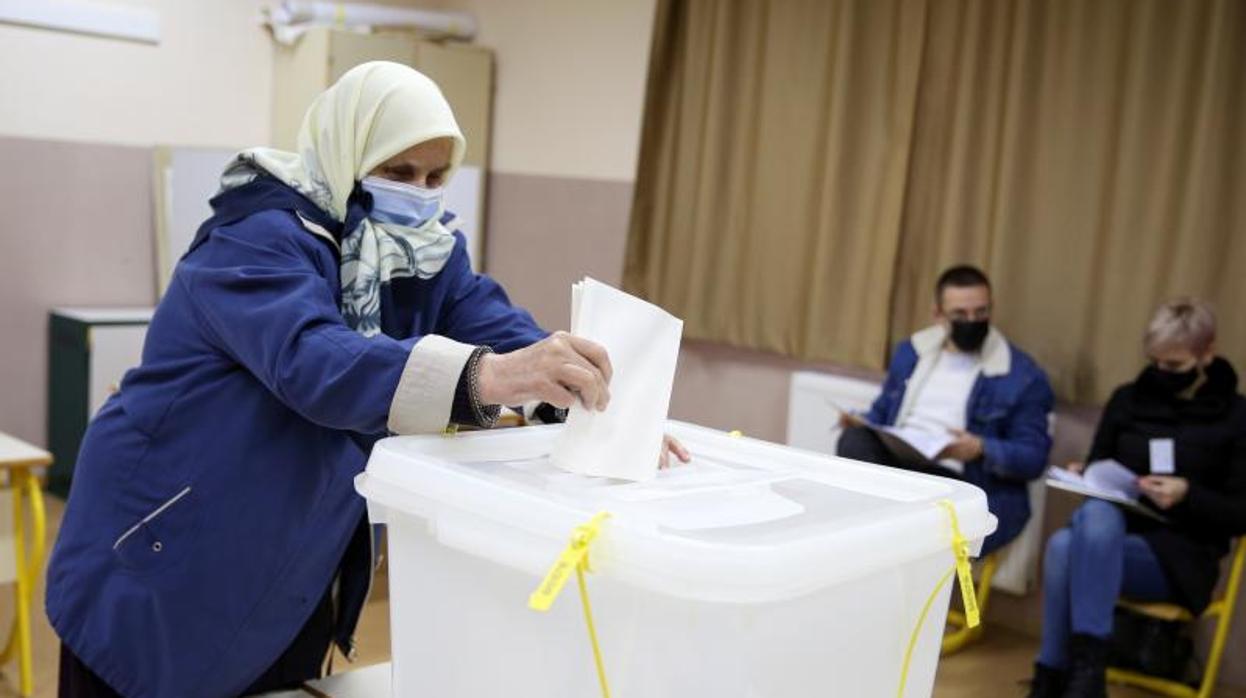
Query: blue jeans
1088,566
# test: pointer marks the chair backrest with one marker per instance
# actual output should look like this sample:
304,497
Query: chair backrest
1017,572
813,405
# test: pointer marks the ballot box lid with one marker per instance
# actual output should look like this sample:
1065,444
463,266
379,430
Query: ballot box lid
746,522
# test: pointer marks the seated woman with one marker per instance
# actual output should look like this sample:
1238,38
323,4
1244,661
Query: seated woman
1186,395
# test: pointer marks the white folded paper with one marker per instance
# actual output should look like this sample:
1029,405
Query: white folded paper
625,440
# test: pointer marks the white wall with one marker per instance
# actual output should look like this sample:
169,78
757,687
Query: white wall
570,83
206,83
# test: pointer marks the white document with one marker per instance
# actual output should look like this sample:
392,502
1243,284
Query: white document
625,440
1163,460
1103,479
928,443
1111,476
915,447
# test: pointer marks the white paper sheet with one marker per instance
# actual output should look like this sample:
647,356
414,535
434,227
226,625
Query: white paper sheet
1103,479
928,443
917,447
1111,476
625,440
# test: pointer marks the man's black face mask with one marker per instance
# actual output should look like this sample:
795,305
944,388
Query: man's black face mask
970,335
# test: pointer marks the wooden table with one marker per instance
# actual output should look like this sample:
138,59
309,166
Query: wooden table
19,459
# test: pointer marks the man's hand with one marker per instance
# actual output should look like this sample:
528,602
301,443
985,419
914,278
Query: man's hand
559,369
848,420
1076,467
965,448
671,445
1166,491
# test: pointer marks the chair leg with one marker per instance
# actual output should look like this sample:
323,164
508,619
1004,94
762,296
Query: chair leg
1224,619
1158,686
23,594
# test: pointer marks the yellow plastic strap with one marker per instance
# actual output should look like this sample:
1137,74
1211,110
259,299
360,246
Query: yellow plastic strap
574,558
451,430
964,573
960,549
339,14
592,631
574,555
917,631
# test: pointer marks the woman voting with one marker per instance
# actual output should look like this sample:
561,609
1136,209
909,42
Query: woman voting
213,543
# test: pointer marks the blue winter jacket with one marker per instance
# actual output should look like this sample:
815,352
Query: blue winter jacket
1009,408
212,501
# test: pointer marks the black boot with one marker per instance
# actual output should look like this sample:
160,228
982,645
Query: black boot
1088,669
1047,682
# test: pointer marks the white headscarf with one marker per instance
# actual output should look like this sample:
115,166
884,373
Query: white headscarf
374,112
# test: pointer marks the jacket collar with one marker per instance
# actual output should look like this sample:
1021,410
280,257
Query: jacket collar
996,352
1212,401
266,193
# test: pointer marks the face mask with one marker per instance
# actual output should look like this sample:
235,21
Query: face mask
1171,382
969,335
402,204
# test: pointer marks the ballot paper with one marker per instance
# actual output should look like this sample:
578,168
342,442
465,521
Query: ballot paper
1103,479
625,440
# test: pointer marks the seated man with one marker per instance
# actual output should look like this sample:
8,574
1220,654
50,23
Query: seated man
961,379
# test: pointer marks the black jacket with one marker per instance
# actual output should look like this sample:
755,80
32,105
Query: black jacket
1210,448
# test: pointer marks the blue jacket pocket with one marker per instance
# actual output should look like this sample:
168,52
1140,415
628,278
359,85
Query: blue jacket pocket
161,537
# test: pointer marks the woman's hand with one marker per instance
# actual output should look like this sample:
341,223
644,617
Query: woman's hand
1165,490
559,369
671,445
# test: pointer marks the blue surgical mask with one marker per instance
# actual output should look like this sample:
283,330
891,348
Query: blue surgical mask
402,204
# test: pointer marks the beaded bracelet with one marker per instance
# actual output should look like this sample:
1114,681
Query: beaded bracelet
486,415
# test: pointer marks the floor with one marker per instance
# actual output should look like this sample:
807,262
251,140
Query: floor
990,669
995,667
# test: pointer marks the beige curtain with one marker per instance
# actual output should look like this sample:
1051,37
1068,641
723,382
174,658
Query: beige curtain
1090,155
808,168
772,171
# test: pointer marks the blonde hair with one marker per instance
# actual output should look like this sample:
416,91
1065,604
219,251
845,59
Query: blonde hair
1187,323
